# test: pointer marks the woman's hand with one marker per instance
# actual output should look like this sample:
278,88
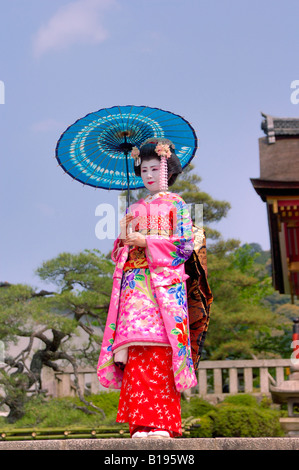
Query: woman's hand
135,239
124,223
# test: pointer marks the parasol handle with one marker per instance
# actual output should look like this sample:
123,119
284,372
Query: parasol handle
126,148
128,193
129,230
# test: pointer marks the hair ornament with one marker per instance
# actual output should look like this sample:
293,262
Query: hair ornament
163,183
135,154
163,150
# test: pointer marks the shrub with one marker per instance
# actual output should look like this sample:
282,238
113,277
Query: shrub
201,427
239,415
58,412
196,406
241,399
108,401
245,421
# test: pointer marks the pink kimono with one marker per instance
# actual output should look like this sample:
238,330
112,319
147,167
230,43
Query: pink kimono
166,223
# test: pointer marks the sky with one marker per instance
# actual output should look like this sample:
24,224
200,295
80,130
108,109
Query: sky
218,63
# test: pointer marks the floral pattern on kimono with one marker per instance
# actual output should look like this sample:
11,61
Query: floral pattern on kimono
166,254
139,313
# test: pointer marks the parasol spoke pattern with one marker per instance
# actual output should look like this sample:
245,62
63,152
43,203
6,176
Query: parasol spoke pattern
95,150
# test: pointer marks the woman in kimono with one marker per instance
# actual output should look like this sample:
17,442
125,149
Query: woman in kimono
146,348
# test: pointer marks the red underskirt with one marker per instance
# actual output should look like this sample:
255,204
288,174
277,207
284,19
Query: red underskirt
148,395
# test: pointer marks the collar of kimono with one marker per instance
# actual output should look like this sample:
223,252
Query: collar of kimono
152,197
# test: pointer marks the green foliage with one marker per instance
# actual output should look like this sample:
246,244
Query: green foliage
84,281
201,427
195,406
108,401
245,421
15,311
84,284
87,269
238,416
80,304
55,412
242,399
59,412
188,188
242,324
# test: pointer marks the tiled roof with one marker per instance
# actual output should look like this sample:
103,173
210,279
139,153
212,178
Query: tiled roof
276,126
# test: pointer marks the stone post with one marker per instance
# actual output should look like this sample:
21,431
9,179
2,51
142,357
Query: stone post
287,391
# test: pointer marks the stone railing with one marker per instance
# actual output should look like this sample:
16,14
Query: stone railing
216,379
61,384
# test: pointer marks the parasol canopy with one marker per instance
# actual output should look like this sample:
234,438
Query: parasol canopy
95,150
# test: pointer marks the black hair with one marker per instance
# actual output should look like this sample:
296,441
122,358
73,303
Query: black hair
147,152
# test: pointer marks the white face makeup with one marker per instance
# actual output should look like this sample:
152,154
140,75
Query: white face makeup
150,174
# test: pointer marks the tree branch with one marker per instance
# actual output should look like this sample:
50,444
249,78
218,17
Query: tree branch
42,293
80,395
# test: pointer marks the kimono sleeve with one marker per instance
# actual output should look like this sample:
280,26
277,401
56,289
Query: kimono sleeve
117,249
175,249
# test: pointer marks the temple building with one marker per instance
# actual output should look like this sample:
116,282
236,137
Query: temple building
278,187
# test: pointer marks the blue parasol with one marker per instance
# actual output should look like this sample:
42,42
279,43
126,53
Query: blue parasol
95,150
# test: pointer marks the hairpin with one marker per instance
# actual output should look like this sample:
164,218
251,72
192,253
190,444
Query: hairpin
135,154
